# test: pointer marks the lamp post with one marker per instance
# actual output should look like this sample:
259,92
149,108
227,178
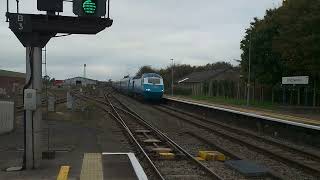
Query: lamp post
249,74
172,77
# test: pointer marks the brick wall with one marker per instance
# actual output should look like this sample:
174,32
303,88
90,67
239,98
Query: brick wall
11,86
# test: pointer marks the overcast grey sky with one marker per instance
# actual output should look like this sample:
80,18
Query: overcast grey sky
144,33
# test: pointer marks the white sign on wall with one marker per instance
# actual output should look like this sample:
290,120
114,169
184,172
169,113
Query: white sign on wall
295,80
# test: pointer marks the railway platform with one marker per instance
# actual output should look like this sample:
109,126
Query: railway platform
289,118
78,138
122,166
283,127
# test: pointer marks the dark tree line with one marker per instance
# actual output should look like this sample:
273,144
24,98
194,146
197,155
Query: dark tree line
286,42
181,70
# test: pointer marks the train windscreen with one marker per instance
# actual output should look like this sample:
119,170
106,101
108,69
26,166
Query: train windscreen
154,81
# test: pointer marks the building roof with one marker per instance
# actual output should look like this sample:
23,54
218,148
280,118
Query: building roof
81,78
218,74
5,73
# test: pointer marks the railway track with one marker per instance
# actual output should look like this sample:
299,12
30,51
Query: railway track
294,157
150,141
192,143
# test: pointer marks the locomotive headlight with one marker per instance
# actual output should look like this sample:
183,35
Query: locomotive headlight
162,90
148,89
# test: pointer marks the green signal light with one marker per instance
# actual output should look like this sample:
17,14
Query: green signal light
89,7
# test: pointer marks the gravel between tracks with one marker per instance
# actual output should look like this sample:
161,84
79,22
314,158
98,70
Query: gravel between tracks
175,129
180,168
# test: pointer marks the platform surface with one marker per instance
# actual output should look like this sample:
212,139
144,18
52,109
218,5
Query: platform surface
109,166
72,134
92,167
266,114
123,166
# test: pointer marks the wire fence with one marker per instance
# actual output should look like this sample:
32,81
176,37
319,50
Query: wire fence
295,95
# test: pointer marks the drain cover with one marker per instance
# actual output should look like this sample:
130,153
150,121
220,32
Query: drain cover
248,168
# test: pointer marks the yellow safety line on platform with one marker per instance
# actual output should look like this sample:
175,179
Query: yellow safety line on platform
92,167
63,173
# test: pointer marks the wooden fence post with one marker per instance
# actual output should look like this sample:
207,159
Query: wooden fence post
245,91
283,95
218,88
298,96
306,96
291,96
314,93
272,94
262,97
211,87
253,91
238,90
223,90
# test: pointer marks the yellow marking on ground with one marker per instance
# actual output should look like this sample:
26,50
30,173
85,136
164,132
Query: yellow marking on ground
92,167
211,155
199,158
63,173
166,155
257,112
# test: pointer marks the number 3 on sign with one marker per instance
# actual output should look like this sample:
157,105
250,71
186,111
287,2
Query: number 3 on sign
20,22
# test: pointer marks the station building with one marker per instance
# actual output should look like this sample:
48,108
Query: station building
11,83
79,81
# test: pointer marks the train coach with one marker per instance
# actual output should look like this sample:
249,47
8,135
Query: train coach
149,86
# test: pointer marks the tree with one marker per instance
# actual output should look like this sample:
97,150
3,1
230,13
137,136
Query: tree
299,37
145,69
266,67
284,43
182,70
52,80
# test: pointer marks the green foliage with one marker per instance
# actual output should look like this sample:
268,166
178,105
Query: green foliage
145,69
182,70
286,42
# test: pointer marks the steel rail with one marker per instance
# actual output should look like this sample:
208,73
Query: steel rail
260,149
123,124
246,133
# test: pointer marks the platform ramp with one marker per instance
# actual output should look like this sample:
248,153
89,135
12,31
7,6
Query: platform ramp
109,166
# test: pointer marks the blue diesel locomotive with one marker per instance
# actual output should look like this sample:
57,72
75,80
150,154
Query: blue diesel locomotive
149,86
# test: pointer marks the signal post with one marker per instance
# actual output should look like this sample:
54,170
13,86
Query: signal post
34,31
